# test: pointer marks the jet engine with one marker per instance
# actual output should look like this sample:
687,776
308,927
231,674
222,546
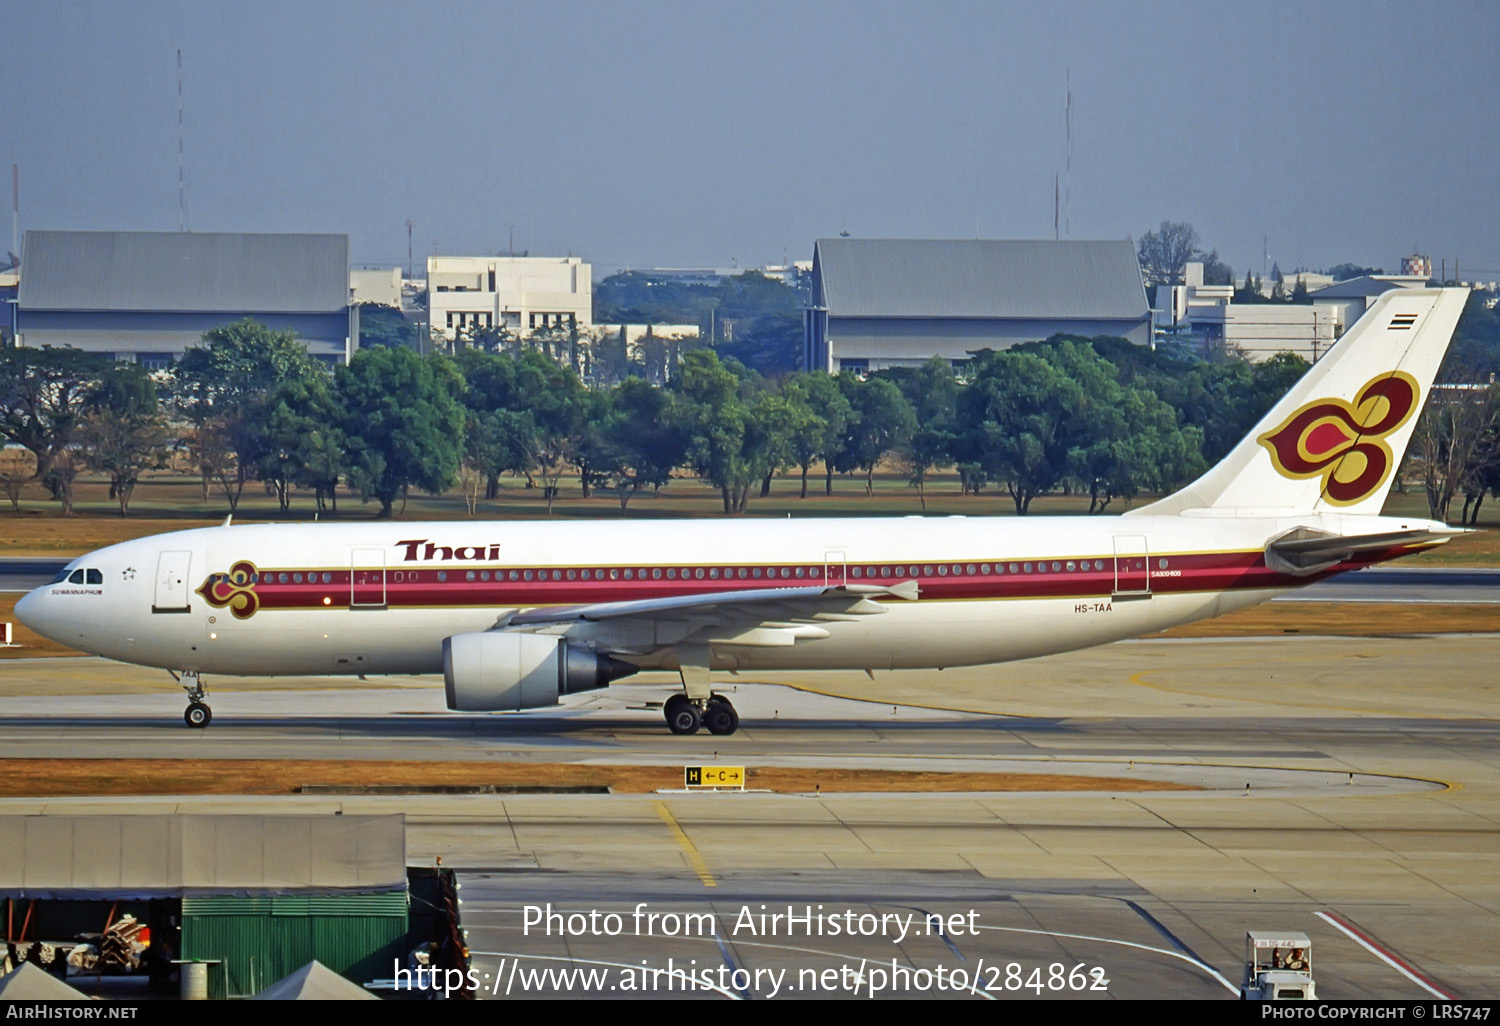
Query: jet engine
498,671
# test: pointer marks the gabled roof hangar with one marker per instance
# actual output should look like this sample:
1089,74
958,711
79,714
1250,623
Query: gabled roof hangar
899,302
978,278
184,272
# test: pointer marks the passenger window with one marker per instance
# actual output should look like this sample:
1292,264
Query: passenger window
94,576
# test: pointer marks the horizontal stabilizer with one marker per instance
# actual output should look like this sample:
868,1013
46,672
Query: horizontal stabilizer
1305,551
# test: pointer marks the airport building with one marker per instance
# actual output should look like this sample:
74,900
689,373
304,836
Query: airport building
248,899
880,303
1257,331
521,294
146,297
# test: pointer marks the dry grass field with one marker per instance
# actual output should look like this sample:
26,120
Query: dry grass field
50,777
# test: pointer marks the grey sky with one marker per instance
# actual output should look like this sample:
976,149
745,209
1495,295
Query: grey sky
646,133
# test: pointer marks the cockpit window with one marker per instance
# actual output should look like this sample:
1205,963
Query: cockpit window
62,575
76,577
93,576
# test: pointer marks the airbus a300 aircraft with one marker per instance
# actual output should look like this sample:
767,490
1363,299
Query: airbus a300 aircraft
515,615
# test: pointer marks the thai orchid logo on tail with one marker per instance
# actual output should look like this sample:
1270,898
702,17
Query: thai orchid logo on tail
1343,443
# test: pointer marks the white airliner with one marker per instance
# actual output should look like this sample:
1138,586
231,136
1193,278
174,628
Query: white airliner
515,615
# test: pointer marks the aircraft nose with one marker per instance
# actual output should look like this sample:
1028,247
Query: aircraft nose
29,609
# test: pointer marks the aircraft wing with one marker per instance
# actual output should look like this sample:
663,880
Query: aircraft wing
754,617
1305,552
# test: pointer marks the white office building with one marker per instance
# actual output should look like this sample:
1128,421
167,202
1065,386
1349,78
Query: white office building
523,294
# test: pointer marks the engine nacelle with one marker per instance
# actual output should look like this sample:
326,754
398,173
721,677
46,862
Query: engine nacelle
498,671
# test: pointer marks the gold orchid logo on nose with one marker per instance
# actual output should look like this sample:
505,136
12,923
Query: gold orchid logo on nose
1345,443
236,589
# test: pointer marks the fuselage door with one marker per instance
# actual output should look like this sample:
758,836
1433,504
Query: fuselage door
172,570
833,569
367,579
1132,573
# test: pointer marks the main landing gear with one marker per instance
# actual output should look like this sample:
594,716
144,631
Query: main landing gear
198,713
685,716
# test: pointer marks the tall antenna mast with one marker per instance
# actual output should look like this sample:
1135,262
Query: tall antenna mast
1055,235
409,225
15,211
1068,195
182,221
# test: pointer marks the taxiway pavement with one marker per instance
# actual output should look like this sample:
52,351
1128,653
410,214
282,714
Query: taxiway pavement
1373,811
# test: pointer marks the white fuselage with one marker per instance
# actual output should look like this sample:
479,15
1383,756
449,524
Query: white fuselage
380,597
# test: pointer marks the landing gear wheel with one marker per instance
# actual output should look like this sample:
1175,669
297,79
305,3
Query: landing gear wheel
720,717
198,715
682,715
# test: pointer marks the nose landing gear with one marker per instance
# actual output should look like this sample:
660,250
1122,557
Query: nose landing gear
198,713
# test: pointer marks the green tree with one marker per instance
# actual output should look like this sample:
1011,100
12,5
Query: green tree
42,395
733,441
1456,439
880,420
1343,272
301,439
820,416
498,435
932,391
404,422
556,407
651,442
223,387
385,326
123,431
1019,419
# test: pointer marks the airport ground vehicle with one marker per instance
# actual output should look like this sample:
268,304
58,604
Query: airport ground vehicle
1278,967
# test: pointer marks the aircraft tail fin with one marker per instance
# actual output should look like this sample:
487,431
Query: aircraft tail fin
1334,441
